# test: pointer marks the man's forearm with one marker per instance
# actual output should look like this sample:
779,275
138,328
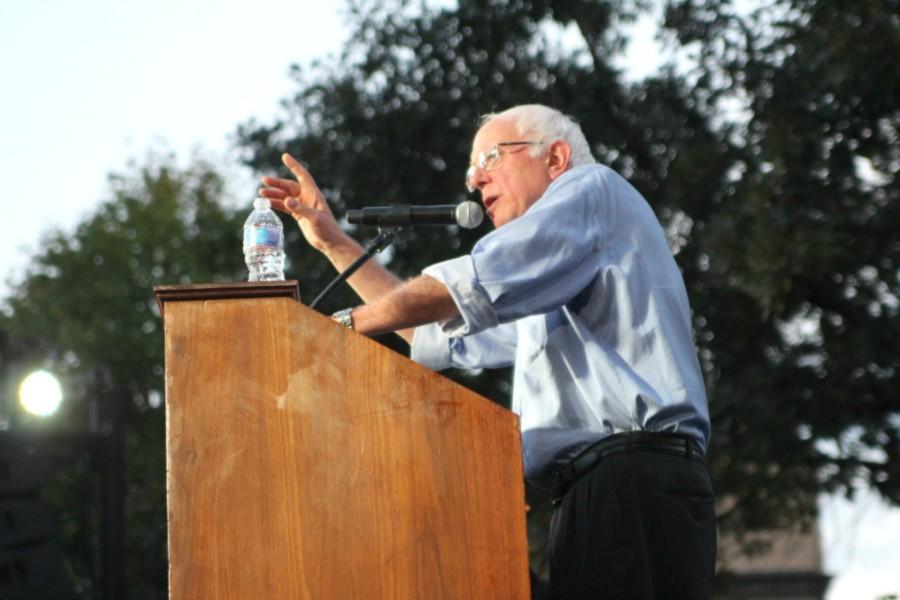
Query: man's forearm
418,302
371,281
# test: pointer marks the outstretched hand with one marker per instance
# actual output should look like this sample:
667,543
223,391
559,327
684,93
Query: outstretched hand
303,200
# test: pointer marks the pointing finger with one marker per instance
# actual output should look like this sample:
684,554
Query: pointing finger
296,168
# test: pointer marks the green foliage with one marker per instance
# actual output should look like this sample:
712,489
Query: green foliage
87,299
798,293
86,309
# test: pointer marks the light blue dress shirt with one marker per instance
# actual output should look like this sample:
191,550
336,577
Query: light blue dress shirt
582,295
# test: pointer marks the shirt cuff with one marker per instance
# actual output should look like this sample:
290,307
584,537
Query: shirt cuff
430,347
475,308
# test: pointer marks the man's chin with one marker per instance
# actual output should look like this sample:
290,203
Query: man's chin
497,220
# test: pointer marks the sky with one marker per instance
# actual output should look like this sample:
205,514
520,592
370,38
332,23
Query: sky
89,85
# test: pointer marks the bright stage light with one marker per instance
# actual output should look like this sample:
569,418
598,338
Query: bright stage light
40,393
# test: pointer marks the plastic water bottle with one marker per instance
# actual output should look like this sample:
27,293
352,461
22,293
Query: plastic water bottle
264,243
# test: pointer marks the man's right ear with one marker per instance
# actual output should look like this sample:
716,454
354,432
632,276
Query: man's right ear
558,158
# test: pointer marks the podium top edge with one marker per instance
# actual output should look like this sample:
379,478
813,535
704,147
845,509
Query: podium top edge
225,291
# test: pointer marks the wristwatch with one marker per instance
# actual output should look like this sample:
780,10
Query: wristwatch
344,317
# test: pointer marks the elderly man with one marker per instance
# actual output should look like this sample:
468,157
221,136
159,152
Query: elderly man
576,288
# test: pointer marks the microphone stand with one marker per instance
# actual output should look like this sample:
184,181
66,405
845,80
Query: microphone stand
384,239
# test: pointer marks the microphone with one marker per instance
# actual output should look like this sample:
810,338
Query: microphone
467,215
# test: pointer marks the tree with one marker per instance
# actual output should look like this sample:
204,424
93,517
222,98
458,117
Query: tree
786,246
801,249
391,121
86,309
781,213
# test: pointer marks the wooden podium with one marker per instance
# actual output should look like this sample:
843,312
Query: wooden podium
306,461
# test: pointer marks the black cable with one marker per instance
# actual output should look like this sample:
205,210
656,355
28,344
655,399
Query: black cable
384,239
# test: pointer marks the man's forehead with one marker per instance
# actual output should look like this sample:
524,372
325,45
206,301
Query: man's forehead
493,132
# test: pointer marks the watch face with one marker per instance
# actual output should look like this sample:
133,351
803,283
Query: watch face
343,317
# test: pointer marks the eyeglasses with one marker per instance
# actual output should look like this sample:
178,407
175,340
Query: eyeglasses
490,160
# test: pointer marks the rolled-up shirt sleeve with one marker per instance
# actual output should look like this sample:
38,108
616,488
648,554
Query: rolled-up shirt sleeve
473,302
531,265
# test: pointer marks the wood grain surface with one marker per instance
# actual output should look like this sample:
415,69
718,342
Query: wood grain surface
306,461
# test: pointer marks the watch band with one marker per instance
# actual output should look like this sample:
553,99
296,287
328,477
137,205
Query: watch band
344,317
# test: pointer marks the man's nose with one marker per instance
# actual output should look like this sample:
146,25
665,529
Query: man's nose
480,177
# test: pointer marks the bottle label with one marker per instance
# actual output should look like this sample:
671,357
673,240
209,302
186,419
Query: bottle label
262,236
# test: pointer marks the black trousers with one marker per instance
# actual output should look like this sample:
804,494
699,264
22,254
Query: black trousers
639,525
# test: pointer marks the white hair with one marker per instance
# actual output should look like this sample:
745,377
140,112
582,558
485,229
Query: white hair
548,125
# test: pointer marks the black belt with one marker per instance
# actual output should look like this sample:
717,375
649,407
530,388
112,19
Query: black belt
677,444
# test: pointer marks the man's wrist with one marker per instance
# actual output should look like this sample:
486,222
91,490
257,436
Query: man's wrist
343,252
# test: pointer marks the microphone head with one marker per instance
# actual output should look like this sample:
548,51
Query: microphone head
469,215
